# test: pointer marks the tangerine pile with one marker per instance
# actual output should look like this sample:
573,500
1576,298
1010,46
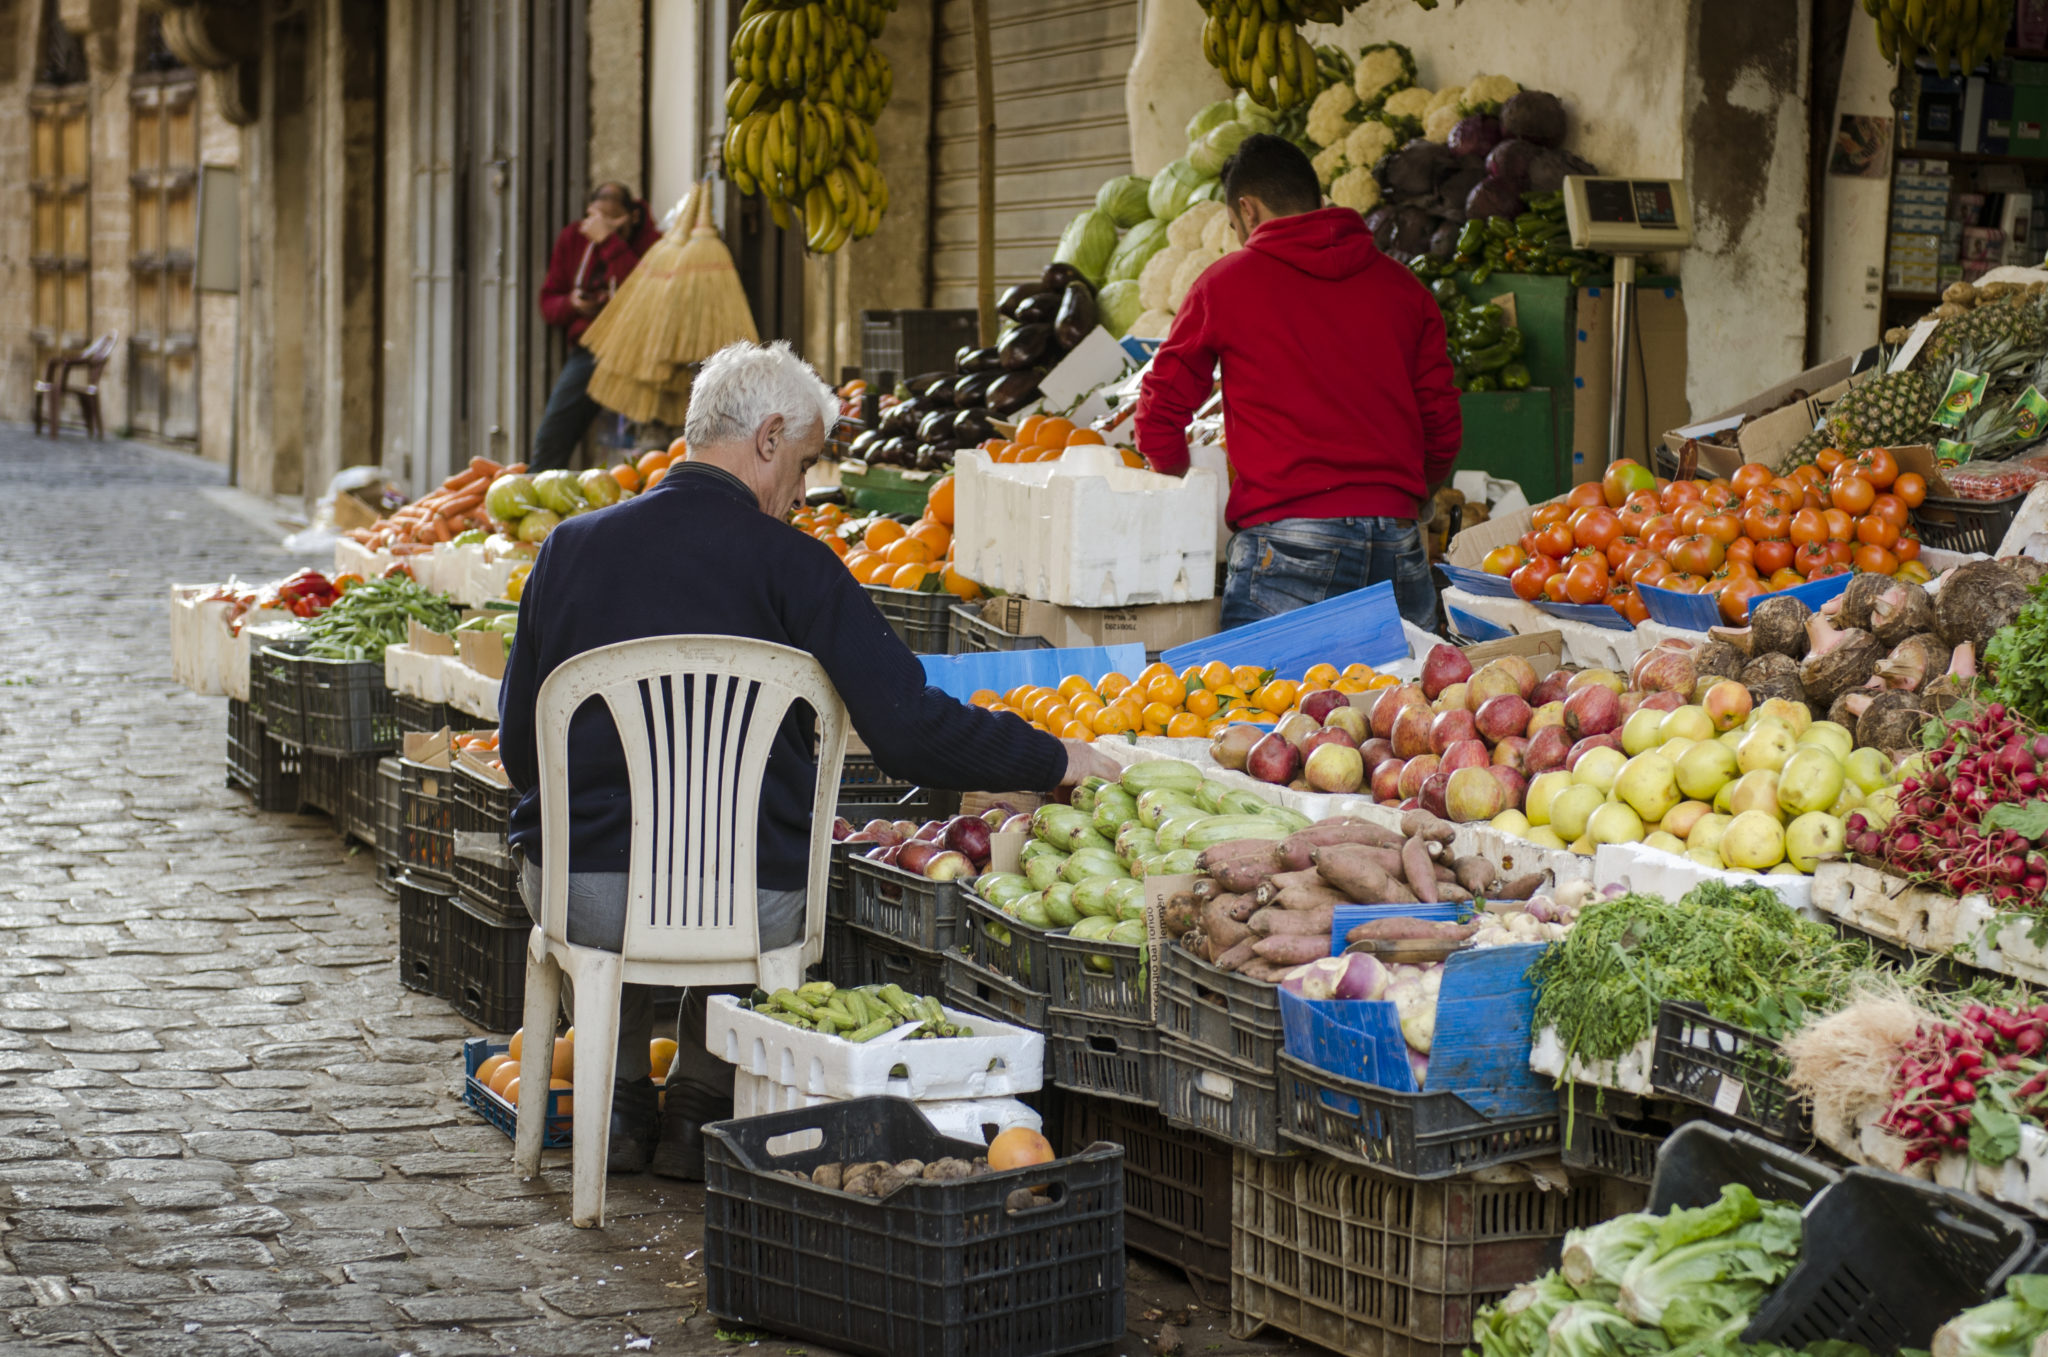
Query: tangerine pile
646,471
892,554
500,1073
1042,438
1197,702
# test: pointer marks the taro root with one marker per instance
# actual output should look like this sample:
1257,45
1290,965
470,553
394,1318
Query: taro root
1914,663
1976,600
1777,626
1889,720
1901,611
1857,600
1741,640
1719,659
1846,707
2025,569
1957,684
1769,676
1836,660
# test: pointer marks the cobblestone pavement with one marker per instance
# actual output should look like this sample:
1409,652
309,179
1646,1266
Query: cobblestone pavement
224,1127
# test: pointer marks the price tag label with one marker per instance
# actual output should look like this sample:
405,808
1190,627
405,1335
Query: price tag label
1728,1097
1911,348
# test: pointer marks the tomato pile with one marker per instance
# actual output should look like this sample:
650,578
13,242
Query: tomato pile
1753,533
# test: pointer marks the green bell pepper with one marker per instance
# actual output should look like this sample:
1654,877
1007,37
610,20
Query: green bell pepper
1481,381
1514,377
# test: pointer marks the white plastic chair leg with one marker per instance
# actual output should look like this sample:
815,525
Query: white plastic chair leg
597,1056
537,1053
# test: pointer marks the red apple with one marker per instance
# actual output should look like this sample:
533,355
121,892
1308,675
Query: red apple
1443,666
1386,779
1415,772
1592,710
1411,732
1449,728
1547,749
1513,752
1501,717
1466,754
1274,760
1318,705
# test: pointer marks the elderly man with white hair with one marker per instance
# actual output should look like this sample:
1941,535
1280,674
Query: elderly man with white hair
707,552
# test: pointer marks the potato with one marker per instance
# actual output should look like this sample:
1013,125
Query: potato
829,1175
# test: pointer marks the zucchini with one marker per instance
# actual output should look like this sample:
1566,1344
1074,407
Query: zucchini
1140,778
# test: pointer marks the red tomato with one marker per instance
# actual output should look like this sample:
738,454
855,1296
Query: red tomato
1841,527
1696,554
1555,540
1890,508
1652,573
1621,549
1585,581
1808,526
1911,488
1527,582
1719,495
1841,553
1639,511
1875,560
1678,493
1750,476
1873,531
1553,588
1742,549
1596,528
1851,493
1827,459
1722,527
1783,579
1735,600
1878,466
1688,518
1504,560
1586,496
1908,548
1623,478
1683,584
1765,522
1547,514
1810,556
1773,555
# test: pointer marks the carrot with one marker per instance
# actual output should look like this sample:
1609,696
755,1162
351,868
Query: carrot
484,466
462,480
516,469
462,504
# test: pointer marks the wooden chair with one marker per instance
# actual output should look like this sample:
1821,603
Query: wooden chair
696,716
55,384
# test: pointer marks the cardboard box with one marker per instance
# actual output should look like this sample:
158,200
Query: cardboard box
427,641
483,651
1544,650
1746,433
358,508
1156,626
1469,547
1656,382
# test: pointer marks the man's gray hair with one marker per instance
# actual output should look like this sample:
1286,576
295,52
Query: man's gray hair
742,384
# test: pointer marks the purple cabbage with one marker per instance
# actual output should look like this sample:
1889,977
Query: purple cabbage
1444,243
1412,229
1551,165
1475,134
1416,169
1510,161
1380,221
1534,116
1493,198
1451,195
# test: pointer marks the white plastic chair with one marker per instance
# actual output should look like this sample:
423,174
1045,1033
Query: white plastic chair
696,717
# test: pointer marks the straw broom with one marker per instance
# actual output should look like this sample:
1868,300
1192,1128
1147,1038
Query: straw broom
681,305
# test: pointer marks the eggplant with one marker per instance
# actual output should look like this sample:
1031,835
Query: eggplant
1012,391
864,446
979,360
971,392
923,382
1026,345
899,418
972,426
928,428
1076,316
1057,276
1039,306
1012,298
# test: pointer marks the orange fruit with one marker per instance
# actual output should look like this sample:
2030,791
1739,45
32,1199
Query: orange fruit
1278,696
1027,429
1042,453
881,533
1357,671
1167,690
564,1105
1216,674
1052,433
1081,437
651,462
908,551
1204,704
1132,459
1058,714
1111,720
656,478
1072,684
518,1042
836,543
1321,675
984,697
1156,715
678,449
869,570
661,1053
958,584
910,575
1379,681
1249,677
935,535
1184,726
627,475
490,1067
510,1093
565,1058
508,1073
1156,669
1078,730
1347,685
1112,684
939,504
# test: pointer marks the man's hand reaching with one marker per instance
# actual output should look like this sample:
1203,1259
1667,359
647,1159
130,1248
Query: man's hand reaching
1085,761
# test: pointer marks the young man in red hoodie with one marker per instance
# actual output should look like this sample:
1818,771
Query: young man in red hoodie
591,258
1338,409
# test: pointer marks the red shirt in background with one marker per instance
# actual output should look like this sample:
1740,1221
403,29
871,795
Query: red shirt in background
1338,400
596,268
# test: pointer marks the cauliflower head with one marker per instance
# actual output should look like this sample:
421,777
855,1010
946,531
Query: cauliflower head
1450,96
1329,117
1155,280
1382,68
1154,324
1329,163
1368,142
1191,267
1412,102
1188,228
1217,237
1486,93
1357,190
1438,122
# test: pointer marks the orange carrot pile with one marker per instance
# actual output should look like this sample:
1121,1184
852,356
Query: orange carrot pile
439,515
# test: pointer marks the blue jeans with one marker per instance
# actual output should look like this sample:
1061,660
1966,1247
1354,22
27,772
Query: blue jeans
569,413
1280,566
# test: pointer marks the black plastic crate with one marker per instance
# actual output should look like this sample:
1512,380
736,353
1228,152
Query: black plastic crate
1887,1260
1080,982
348,708
936,1269
977,989
855,956
911,343
416,715
1230,1016
1700,1158
1739,1074
1415,1135
1236,1104
481,860
1966,524
358,818
921,619
390,813
275,692
1176,1188
973,634
321,785
259,765
1365,1262
429,814
1104,1056
486,966
1616,1135
502,1114
1011,949
423,907
923,914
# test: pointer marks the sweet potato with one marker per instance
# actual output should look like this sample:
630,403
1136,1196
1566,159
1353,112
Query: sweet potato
1293,949
1421,870
1475,874
1240,907
1359,877
1297,849
1244,951
1410,930
1273,920
1521,888
1261,969
1241,864
1318,896
1271,888
1181,914
1222,928
1420,824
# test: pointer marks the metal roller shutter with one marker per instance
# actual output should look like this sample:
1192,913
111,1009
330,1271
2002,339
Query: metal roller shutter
1060,130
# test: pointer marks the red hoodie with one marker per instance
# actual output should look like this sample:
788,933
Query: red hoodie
597,268
1337,399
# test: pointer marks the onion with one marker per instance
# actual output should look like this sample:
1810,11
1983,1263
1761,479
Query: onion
1352,976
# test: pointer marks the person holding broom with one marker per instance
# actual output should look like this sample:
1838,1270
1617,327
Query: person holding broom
591,258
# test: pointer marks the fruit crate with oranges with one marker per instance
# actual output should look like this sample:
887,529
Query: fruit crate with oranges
1195,702
975,635
502,1112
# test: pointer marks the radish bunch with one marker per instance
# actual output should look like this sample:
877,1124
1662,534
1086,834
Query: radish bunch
1940,834
1988,1063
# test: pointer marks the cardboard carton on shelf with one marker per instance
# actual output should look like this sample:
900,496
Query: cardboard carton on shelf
1767,426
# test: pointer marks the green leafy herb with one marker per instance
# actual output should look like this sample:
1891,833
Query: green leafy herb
1994,1127
2017,661
2029,820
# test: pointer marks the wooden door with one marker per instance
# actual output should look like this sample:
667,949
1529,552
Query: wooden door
163,352
59,242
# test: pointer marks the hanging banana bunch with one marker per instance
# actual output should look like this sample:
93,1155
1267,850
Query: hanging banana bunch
1259,49
807,86
1955,33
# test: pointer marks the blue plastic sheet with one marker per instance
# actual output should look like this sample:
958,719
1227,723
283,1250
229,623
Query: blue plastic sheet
959,676
1361,627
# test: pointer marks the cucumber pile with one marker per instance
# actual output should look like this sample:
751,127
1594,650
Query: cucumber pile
856,1014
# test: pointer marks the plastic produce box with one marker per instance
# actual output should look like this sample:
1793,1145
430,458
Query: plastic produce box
921,619
1231,1016
979,1119
1176,1187
973,988
428,812
908,906
998,1061
1617,1135
1700,1158
1739,1074
422,935
1224,1100
937,1269
259,765
503,1115
1105,1056
1009,947
857,956
274,690
486,960
348,708
1697,612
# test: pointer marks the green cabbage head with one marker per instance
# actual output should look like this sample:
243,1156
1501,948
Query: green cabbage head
1123,198
1087,244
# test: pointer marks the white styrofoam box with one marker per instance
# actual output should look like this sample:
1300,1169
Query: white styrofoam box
2021,1181
1591,647
1085,531
960,1118
260,627
469,692
1518,617
1211,458
1653,871
484,579
1968,931
1630,1073
353,558
997,1061
1517,856
199,639
415,674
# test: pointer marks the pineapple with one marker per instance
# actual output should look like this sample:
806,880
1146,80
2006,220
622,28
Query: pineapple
1888,409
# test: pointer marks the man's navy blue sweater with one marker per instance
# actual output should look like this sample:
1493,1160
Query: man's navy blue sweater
696,556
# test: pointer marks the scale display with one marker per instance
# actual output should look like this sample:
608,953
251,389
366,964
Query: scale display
1627,216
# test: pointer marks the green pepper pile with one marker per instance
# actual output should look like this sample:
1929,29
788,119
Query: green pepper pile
1535,242
372,615
1486,350
856,1014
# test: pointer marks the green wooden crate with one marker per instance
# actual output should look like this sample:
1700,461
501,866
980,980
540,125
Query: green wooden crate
1514,435
1546,309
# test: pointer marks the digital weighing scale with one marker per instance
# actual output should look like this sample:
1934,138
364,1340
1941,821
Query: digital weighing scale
1626,218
